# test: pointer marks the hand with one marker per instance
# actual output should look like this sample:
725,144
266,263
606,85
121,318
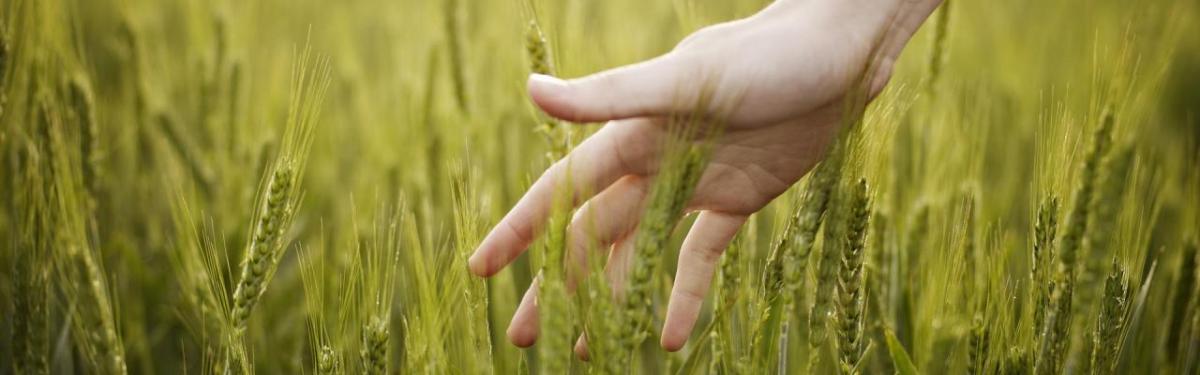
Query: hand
788,68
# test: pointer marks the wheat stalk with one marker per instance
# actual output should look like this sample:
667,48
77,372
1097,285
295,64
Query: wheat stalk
94,321
1077,221
681,168
374,352
265,248
1110,325
851,297
31,334
785,266
729,277
277,201
977,346
555,307
602,323
826,282
83,108
1043,257
469,229
328,361
1190,346
558,135
537,50
937,54
1106,201
1055,334
453,26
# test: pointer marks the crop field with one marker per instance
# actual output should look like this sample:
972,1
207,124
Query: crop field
296,186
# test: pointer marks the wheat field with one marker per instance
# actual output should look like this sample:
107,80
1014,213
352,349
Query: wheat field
294,186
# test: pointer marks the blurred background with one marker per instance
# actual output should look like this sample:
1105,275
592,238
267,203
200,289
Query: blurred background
189,103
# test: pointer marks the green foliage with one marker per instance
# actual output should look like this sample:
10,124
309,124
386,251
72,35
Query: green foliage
901,359
184,185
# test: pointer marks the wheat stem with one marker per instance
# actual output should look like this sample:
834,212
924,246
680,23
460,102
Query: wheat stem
1110,325
850,304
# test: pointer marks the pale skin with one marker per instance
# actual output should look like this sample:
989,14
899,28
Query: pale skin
787,68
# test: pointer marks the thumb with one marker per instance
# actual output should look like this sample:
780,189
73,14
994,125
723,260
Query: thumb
647,88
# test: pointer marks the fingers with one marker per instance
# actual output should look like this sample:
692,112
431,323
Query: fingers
701,250
619,261
644,89
602,221
523,329
620,148
581,347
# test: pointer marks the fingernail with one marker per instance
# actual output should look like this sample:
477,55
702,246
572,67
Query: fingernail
474,264
581,349
545,82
